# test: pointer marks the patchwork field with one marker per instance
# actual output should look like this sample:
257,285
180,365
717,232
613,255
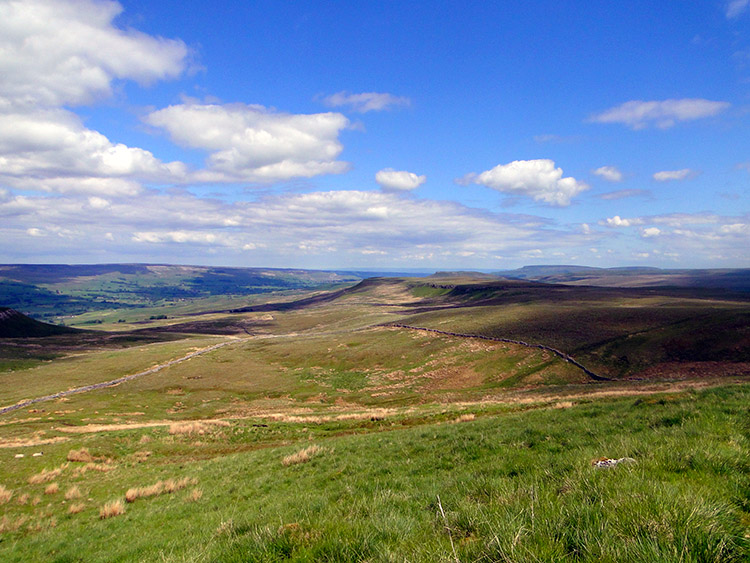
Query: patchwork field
321,431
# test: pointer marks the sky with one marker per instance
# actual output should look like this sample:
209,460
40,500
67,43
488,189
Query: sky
391,135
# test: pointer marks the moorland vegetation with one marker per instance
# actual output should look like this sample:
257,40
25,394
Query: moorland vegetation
324,429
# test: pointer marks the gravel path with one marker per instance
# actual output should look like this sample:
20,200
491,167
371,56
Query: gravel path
555,351
112,383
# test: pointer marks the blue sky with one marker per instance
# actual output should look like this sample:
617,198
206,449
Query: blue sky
375,134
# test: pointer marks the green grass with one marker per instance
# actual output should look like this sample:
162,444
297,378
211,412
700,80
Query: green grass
401,418
514,486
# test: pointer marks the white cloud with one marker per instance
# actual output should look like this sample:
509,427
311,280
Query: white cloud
618,221
278,229
56,53
366,101
538,179
98,202
736,7
663,114
651,232
253,143
61,52
609,173
52,150
398,180
735,229
670,175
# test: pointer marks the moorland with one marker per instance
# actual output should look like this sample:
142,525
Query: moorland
453,417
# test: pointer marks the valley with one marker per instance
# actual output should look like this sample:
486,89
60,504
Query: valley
457,415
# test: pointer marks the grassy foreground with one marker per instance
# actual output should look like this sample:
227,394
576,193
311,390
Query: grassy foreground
513,485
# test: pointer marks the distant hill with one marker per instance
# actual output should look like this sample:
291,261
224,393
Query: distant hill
46,291
17,325
728,279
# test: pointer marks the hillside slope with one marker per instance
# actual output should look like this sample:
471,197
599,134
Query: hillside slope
17,325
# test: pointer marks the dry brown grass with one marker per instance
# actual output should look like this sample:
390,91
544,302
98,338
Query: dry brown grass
52,489
302,456
73,493
76,507
23,499
36,500
103,467
466,417
11,525
82,455
145,439
47,475
5,494
141,456
191,427
113,508
159,488
195,495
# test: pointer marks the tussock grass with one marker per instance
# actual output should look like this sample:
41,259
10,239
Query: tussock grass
8,524
101,467
466,417
302,456
81,455
195,495
47,475
51,489
160,487
111,509
76,507
73,493
142,456
23,499
5,494
189,428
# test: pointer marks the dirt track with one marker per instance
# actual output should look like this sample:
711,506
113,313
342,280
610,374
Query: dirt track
113,382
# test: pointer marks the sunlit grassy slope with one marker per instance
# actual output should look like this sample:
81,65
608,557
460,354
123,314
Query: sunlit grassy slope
513,485
380,421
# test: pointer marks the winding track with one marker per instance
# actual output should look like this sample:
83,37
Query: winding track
555,351
113,382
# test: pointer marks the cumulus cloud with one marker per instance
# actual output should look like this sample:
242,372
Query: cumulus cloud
736,7
56,53
670,175
609,173
538,179
663,114
398,180
618,221
51,150
254,143
651,232
366,101
68,52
